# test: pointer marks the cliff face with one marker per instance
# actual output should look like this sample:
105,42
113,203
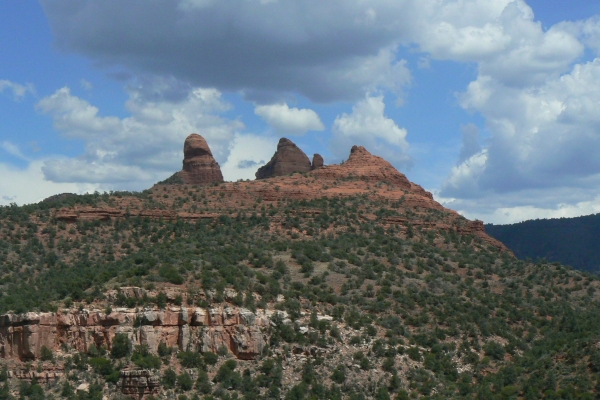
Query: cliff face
287,159
22,336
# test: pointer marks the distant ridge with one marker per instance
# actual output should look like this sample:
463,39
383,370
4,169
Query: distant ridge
570,241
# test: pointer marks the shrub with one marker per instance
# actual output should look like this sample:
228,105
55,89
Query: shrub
210,358
190,359
142,358
203,383
227,375
414,353
164,350
169,379
121,346
494,350
170,274
185,382
46,354
339,374
102,366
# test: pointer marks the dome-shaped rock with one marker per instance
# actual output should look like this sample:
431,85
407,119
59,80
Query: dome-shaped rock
287,159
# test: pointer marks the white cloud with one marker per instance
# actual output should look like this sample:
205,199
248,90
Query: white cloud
87,85
540,109
12,149
470,142
143,148
24,186
247,153
500,211
19,91
543,136
367,125
286,120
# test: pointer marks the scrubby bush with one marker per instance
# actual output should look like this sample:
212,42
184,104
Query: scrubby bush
121,346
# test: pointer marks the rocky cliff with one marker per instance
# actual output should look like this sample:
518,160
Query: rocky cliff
22,336
199,165
287,159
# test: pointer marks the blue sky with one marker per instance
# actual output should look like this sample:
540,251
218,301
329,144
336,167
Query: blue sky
490,104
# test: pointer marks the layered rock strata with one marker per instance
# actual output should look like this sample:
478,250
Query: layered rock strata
365,166
287,159
22,336
199,165
139,383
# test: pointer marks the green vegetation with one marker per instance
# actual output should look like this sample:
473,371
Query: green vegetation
570,241
471,321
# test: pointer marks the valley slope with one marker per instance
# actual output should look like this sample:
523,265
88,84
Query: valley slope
347,281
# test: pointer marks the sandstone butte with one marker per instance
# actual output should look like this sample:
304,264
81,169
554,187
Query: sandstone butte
287,159
362,174
199,165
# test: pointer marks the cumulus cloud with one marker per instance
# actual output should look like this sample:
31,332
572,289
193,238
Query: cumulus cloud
28,185
247,152
470,142
546,136
18,91
285,120
143,148
534,88
538,100
367,125
12,149
324,50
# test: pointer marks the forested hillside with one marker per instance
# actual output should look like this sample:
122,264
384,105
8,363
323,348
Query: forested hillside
347,282
570,241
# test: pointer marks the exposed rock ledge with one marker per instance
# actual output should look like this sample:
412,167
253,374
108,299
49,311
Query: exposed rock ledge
240,330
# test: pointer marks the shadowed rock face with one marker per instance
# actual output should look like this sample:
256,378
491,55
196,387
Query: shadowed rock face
317,161
199,165
287,159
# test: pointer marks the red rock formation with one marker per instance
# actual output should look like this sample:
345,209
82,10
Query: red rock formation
317,161
364,166
363,174
199,165
76,214
22,336
287,159
139,383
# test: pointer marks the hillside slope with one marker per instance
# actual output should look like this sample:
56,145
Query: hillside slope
570,241
346,282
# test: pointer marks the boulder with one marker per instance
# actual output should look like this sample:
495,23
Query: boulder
287,159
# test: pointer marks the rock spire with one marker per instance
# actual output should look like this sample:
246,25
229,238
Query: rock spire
287,159
199,165
317,161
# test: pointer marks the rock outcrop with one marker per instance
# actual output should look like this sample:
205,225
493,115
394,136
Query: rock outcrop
199,165
22,336
317,161
139,383
287,159
363,165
